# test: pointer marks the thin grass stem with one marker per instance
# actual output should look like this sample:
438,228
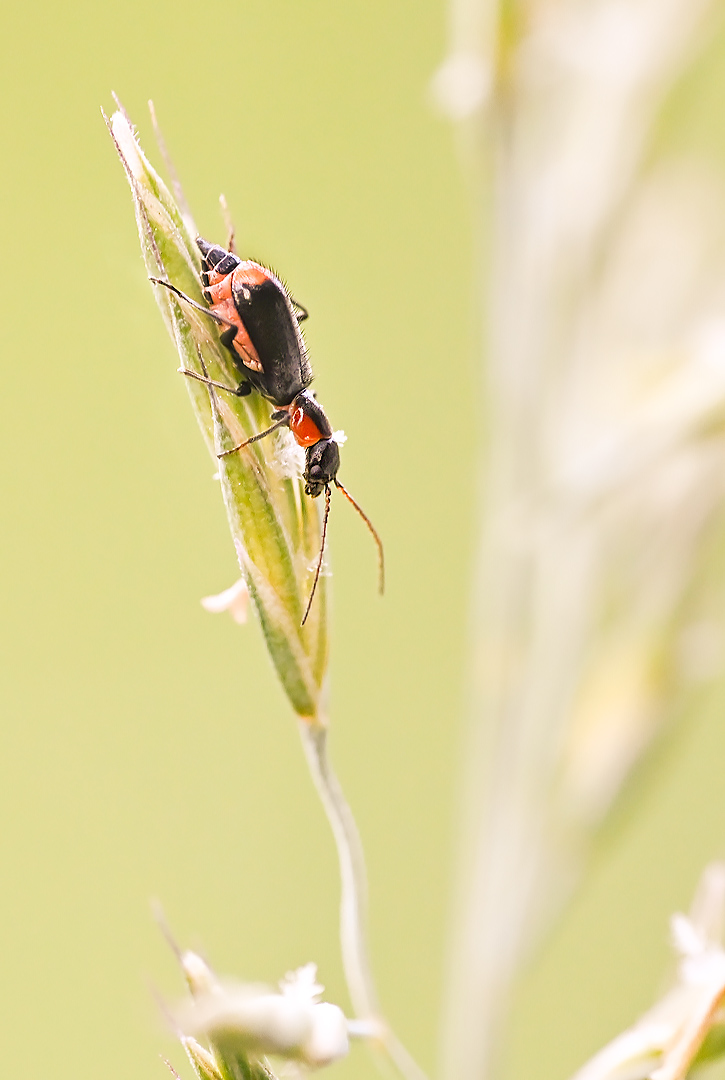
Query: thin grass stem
353,900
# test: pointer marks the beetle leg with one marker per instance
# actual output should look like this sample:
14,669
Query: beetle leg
255,438
192,303
242,390
302,313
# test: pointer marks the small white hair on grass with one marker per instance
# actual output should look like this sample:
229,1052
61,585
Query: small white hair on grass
289,457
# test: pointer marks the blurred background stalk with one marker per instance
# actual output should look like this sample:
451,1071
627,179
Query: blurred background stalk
604,469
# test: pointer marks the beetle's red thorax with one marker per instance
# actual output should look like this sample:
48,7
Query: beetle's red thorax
303,427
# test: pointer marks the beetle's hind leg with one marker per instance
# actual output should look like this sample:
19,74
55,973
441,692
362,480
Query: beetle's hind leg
243,390
218,319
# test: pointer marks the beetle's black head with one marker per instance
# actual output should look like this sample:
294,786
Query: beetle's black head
323,461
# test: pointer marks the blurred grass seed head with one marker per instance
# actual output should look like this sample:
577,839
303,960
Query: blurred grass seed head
247,1022
598,609
686,1027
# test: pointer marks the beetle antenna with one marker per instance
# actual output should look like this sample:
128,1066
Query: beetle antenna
322,552
373,530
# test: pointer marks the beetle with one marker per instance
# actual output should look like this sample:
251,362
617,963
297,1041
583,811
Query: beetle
261,331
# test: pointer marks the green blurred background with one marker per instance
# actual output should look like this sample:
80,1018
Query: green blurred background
146,748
